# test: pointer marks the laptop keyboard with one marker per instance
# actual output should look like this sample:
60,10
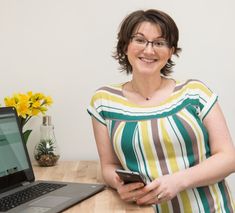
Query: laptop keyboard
30,193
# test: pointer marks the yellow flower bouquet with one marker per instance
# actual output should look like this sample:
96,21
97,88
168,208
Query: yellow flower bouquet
28,105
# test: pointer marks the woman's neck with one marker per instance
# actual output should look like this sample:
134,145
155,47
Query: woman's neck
146,87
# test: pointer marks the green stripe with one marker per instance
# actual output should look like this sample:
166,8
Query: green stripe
201,106
187,140
205,141
204,199
221,187
142,155
128,147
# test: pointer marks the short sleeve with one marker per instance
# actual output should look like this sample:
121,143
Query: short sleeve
206,98
95,107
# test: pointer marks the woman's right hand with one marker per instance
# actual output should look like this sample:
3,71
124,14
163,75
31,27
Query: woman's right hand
129,192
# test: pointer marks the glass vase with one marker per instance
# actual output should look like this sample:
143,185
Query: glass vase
46,151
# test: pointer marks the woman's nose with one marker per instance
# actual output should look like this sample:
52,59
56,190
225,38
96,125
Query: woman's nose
149,48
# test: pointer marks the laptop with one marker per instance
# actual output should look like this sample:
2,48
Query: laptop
18,189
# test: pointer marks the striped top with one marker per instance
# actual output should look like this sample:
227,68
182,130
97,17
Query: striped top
164,139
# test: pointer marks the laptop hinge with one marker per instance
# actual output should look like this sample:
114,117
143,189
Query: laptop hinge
25,183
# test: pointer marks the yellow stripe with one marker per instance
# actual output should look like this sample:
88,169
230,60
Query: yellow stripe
185,201
215,193
201,86
191,85
174,97
165,207
117,143
148,149
169,147
111,97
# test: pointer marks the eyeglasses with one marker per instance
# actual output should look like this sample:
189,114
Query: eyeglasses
142,43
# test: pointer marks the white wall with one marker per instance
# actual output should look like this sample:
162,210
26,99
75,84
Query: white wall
63,48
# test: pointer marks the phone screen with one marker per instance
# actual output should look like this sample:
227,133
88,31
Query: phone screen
130,177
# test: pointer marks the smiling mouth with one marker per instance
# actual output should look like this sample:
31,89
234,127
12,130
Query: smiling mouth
147,60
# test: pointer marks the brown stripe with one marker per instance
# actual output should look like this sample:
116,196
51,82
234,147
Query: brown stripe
158,147
180,86
192,138
116,124
162,160
175,205
209,199
111,90
186,82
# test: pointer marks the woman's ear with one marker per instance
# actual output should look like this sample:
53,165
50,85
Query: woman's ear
172,51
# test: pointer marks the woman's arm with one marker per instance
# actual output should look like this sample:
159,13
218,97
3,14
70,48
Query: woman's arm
108,159
215,168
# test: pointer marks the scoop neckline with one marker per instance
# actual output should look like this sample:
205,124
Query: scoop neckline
149,106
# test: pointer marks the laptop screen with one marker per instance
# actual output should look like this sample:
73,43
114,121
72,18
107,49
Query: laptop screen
14,161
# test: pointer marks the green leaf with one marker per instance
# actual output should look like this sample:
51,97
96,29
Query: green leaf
26,135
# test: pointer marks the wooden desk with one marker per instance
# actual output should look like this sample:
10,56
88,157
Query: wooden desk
106,201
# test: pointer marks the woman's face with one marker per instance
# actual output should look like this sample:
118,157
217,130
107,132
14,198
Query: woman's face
147,51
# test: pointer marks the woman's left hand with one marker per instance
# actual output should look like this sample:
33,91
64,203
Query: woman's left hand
161,190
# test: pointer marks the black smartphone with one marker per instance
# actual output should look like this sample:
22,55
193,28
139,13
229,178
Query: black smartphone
130,177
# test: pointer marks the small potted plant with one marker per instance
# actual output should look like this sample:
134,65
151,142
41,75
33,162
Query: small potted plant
45,154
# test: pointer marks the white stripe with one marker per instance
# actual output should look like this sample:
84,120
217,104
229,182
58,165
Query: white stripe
220,197
179,144
96,114
197,199
137,150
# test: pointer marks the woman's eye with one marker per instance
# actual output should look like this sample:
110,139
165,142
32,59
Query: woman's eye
158,43
140,40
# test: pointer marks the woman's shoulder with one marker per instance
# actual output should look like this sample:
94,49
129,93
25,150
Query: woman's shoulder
194,89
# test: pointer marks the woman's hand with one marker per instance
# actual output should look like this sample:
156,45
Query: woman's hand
160,190
129,192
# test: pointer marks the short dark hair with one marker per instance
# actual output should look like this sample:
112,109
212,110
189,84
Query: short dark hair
131,22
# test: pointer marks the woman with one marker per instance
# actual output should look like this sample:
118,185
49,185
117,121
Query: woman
172,132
